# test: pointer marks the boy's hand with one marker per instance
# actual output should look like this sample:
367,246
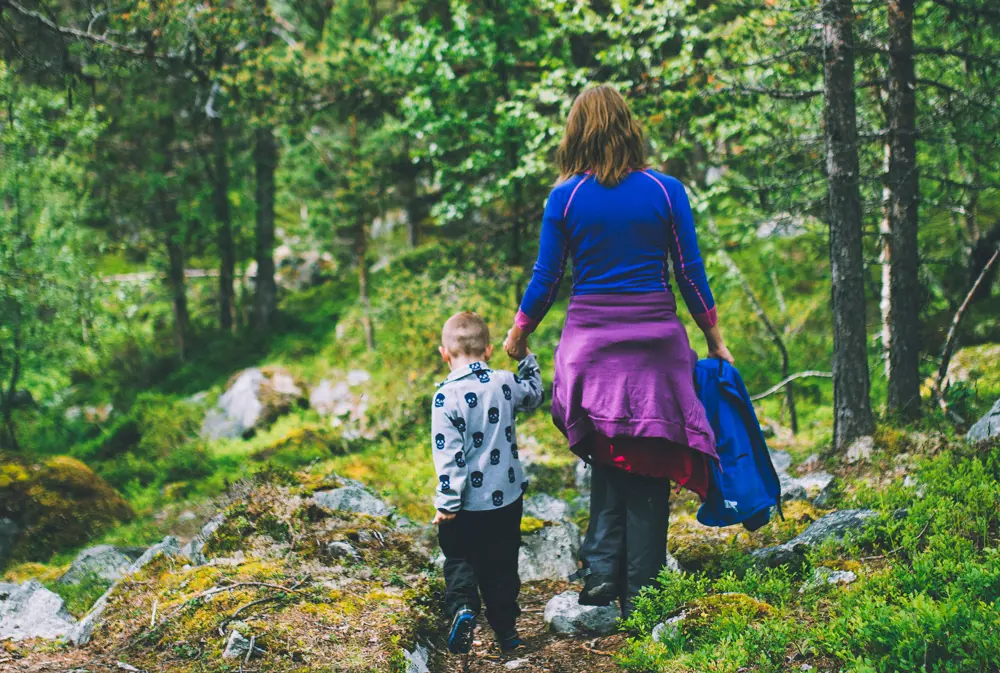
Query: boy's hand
516,343
440,517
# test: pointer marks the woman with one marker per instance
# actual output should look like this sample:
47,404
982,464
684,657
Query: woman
623,392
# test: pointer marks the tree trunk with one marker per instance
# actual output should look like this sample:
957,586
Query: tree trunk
170,226
361,249
411,201
904,285
176,283
224,235
885,254
851,384
8,438
265,160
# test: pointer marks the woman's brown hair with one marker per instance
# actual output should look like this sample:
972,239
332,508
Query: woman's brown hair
601,137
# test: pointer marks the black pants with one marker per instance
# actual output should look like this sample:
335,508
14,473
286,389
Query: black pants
480,555
627,536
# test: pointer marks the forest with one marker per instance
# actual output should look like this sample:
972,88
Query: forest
230,234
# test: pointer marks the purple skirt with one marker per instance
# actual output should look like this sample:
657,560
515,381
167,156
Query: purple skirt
624,368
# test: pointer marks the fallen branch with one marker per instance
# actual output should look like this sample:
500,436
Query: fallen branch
778,386
949,343
229,587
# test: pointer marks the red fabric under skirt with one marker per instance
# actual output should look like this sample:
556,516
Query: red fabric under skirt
652,457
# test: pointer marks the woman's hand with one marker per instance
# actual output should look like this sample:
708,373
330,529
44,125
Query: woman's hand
720,352
516,344
716,346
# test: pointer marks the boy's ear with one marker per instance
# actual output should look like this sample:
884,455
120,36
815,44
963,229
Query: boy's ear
445,355
489,352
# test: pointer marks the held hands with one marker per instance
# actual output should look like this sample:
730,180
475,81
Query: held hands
441,517
516,344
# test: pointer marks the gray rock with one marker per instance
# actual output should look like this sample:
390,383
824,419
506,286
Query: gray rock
168,546
329,399
805,487
237,647
341,549
564,614
834,525
827,495
238,409
860,450
356,377
242,407
104,561
8,536
417,660
782,460
194,549
550,553
822,577
670,630
986,427
352,499
32,611
546,507
582,476
791,489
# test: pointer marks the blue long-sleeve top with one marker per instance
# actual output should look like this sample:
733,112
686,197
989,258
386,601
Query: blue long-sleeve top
619,238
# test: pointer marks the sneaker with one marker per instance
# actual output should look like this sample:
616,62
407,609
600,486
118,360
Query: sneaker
462,626
509,640
599,590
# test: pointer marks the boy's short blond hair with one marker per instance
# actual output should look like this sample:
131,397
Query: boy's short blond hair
465,334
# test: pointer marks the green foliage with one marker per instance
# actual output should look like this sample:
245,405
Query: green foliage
928,603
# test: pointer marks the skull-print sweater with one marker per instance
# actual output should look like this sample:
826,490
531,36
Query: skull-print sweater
474,437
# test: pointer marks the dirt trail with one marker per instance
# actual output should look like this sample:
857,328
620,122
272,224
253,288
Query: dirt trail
543,652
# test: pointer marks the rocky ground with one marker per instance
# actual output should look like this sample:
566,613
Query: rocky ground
305,572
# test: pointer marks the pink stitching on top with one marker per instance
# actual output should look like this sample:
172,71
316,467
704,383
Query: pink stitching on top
572,194
677,240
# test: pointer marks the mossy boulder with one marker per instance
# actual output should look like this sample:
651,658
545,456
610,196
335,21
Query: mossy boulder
56,504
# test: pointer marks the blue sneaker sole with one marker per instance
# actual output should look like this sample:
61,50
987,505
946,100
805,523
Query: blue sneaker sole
460,638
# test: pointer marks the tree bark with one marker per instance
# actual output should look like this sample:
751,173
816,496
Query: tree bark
170,226
361,249
224,235
265,160
851,383
903,185
265,156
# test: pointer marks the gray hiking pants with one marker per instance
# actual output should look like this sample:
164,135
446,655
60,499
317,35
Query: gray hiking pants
627,535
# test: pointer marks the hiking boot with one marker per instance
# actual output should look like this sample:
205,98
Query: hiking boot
460,635
509,641
599,590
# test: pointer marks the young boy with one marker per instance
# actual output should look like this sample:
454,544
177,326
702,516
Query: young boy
480,480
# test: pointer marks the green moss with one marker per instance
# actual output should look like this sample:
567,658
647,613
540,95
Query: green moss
80,597
708,611
530,524
58,503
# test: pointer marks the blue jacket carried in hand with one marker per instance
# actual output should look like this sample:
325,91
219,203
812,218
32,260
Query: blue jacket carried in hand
745,485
